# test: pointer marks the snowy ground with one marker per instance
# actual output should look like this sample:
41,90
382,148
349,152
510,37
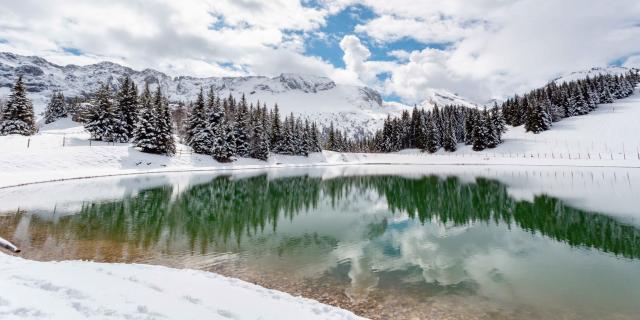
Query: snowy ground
86,290
608,137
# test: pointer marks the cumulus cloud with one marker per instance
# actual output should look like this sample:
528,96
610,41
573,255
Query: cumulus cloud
388,28
498,47
196,37
492,48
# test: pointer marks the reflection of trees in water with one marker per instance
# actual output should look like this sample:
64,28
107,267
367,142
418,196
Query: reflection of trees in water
225,210
488,201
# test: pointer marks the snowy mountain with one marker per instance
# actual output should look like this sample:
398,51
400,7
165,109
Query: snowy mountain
355,109
442,97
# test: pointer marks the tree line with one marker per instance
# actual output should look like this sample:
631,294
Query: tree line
225,128
429,130
540,108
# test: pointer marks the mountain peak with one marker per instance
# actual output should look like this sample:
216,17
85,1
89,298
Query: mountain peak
442,97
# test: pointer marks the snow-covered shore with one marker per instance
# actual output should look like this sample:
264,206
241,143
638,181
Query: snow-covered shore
87,290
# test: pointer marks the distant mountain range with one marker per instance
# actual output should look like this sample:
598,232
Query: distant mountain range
356,109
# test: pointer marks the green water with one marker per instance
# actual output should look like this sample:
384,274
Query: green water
467,249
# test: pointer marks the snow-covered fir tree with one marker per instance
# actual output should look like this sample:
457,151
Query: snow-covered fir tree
145,134
102,120
259,147
241,127
449,143
56,108
314,145
223,147
538,119
198,135
17,115
431,134
165,143
127,105
332,143
480,132
276,130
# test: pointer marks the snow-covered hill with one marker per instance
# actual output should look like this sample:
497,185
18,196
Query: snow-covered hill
355,109
442,97
593,72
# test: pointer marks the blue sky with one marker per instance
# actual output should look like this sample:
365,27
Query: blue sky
402,48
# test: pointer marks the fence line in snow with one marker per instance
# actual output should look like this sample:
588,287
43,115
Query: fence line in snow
626,154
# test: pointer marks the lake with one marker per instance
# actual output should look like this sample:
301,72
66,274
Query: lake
387,242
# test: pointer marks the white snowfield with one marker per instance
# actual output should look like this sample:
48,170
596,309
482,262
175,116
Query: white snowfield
87,290
608,137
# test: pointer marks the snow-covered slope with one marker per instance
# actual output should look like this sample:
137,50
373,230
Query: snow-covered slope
442,97
355,109
87,290
593,72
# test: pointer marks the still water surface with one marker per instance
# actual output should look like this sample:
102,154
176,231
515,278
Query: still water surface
383,245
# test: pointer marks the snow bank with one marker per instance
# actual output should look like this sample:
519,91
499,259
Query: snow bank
86,290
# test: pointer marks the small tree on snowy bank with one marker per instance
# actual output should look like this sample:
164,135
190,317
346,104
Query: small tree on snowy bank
17,116
56,109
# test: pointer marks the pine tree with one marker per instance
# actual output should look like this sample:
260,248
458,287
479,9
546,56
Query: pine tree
287,144
102,119
493,133
17,116
469,124
276,130
56,108
259,148
165,143
419,127
450,143
197,133
223,146
315,139
498,123
432,136
538,119
241,127
145,134
127,105
332,144
480,133
606,96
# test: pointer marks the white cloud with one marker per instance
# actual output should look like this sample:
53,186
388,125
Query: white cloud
387,28
173,36
497,47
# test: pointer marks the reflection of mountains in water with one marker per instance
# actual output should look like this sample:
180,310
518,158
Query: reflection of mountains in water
224,210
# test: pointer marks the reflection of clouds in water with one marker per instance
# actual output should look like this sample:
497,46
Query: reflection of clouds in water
508,266
428,247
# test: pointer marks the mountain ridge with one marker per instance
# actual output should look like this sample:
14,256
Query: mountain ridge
358,110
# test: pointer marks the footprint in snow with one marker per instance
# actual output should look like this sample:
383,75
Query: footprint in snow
226,314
